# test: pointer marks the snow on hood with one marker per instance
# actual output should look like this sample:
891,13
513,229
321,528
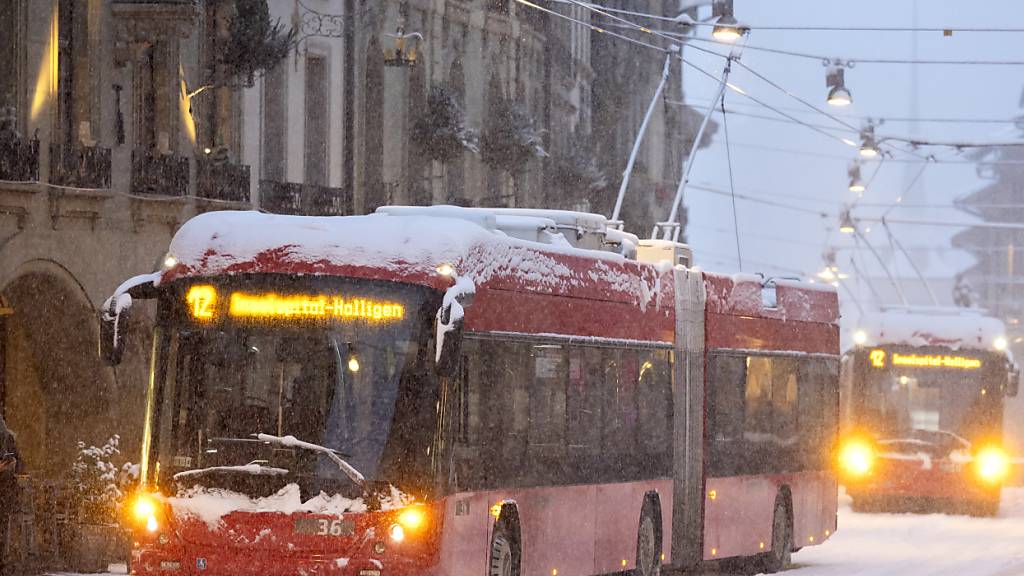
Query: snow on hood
952,328
408,244
210,505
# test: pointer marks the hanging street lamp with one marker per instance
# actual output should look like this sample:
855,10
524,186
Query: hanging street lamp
727,28
868,146
838,94
403,51
856,184
846,225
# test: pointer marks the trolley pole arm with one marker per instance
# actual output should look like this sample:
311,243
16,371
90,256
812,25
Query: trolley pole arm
636,144
670,228
892,280
913,265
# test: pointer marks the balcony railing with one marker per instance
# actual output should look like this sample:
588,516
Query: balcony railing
157,174
306,199
222,180
19,160
79,166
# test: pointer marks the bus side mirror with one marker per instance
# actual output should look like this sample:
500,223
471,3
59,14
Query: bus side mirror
449,338
1013,382
450,319
114,318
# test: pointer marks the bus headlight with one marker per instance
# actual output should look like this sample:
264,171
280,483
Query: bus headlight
991,464
411,518
856,457
144,512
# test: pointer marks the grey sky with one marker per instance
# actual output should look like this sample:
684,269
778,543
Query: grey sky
878,91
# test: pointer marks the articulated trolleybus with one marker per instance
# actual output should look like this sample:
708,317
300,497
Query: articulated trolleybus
458,391
922,402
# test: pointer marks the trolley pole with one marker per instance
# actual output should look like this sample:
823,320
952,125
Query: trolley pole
636,145
671,228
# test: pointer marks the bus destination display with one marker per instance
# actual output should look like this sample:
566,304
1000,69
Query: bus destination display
204,304
880,359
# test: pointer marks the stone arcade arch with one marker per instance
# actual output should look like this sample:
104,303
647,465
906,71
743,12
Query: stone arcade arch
56,391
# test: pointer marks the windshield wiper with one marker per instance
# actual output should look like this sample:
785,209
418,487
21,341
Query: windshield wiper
256,468
293,442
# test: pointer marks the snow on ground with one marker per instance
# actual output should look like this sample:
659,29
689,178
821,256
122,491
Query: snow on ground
921,544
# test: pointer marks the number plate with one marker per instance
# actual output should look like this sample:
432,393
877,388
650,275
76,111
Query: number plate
324,526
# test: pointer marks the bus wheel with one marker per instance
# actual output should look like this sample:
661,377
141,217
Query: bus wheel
648,544
504,551
782,539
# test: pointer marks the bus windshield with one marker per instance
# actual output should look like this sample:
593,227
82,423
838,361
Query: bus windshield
289,366
962,397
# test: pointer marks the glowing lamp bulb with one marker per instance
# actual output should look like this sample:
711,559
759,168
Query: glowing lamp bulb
857,186
353,364
839,97
868,151
860,337
446,270
170,262
144,508
1000,343
151,524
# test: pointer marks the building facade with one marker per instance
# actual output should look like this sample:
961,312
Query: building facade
120,119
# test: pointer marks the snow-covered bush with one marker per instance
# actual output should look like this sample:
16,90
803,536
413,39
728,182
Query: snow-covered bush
576,174
97,484
440,131
510,138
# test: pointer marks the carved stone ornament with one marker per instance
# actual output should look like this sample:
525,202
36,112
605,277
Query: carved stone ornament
139,23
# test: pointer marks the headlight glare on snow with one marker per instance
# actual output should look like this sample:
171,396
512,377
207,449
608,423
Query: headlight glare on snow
991,464
856,457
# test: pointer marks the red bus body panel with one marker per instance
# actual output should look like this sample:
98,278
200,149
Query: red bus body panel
940,479
804,320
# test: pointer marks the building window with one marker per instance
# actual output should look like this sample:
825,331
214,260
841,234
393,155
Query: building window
317,120
275,121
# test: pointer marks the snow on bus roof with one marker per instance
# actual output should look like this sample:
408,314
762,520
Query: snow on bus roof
410,242
954,328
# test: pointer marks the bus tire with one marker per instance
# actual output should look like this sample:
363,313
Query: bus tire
505,551
648,540
781,553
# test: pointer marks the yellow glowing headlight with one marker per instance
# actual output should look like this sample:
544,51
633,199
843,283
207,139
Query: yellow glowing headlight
991,464
412,518
856,457
144,510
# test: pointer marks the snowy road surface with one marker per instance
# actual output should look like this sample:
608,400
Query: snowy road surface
914,544
919,545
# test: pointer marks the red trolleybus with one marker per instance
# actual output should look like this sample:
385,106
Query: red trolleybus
923,393
466,391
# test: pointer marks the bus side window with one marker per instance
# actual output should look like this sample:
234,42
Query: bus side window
818,411
655,413
620,409
785,444
727,385
546,456
758,432
481,459
583,413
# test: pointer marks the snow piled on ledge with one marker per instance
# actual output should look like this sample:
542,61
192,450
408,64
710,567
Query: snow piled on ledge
413,244
210,505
